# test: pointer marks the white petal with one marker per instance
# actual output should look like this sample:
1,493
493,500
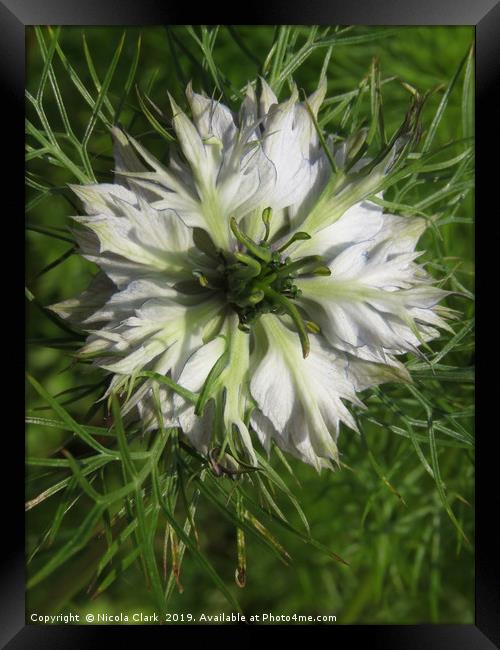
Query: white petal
212,119
158,325
267,97
125,302
192,377
192,145
378,301
79,309
99,198
301,398
361,223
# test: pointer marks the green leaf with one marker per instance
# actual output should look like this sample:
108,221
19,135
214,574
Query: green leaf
453,342
60,485
233,518
79,540
66,417
210,381
59,260
439,482
200,559
116,572
93,74
130,79
273,476
103,92
58,424
152,119
377,467
79,85
307,539
431,134
82,481
468,96
163,379
122,441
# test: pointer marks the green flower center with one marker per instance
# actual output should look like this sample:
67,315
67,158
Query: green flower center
259,280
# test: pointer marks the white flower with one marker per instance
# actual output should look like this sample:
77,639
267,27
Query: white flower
251,275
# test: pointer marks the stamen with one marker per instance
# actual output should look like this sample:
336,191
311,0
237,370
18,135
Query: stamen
253,267
266,218
251,299
298,236
313,327
293,312
259,251
266,280
256,297
201,279
319,270
257,280
298,264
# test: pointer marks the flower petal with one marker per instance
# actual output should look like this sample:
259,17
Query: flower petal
301,398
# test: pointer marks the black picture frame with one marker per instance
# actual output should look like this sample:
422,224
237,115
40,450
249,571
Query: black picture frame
15,15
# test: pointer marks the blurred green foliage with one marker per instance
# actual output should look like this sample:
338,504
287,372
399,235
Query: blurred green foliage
383,513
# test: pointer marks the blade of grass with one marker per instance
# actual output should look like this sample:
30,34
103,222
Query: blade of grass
93,74
200,559
130,79
65,416
440,483
431,134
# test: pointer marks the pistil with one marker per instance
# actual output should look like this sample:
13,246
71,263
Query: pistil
258,279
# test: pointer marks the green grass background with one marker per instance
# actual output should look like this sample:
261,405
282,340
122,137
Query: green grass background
407,562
